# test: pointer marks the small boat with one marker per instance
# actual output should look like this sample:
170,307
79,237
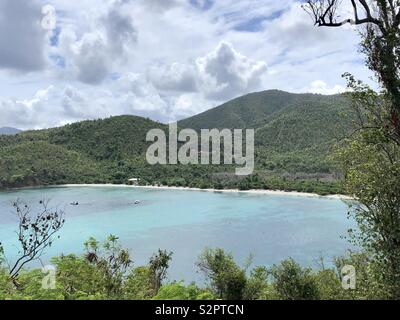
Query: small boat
137,201
74,203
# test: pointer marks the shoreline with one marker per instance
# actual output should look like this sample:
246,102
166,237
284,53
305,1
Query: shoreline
252,191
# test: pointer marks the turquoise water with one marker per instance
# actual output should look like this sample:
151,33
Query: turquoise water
270,227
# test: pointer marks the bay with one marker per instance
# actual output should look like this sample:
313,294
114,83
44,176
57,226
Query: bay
270,228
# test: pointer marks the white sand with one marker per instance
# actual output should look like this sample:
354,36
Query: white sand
260,192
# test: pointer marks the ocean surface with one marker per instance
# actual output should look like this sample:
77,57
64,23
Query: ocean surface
270,228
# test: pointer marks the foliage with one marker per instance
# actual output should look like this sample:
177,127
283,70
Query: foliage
112,260
292,282
227,279
77,278
370,158
178,291
373,180
369,284
2,257
139,284
6,285
158,267
31,163
257,286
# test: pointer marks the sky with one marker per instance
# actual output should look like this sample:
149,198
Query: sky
161,59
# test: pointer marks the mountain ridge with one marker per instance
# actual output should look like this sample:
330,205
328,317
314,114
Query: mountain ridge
294,135
9,131
246,109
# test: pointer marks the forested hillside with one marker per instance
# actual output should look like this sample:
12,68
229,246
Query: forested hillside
283,120
294,135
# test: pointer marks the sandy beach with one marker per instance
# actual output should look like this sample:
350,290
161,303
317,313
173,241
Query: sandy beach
260,192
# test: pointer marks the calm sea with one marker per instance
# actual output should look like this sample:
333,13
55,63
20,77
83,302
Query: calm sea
268,227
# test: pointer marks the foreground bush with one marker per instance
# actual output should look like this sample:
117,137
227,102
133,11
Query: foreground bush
106,271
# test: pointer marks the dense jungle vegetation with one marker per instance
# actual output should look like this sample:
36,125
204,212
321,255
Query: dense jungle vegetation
294,136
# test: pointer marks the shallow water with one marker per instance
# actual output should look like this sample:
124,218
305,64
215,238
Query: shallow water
269,227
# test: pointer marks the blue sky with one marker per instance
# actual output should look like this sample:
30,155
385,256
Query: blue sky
163,59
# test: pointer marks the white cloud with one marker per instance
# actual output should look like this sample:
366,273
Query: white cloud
226,73
321,87
188,104
91,57
27,113
222,74
175,77
138,94
57,105
164,59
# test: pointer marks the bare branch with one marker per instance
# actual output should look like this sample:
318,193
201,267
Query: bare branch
353,3
397,17
35,233
325,13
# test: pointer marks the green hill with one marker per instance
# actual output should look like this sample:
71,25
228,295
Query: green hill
294,135
248,111
95,151
282,120
115,138
31,163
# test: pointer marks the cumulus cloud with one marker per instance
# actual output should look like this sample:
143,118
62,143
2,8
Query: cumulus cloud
321,87
163,59
121,34
22,39
91,57
140,95
222,74
27,113
175,77
57,105
188,104
227,73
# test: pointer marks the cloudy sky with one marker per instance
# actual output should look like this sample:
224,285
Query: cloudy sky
163,59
